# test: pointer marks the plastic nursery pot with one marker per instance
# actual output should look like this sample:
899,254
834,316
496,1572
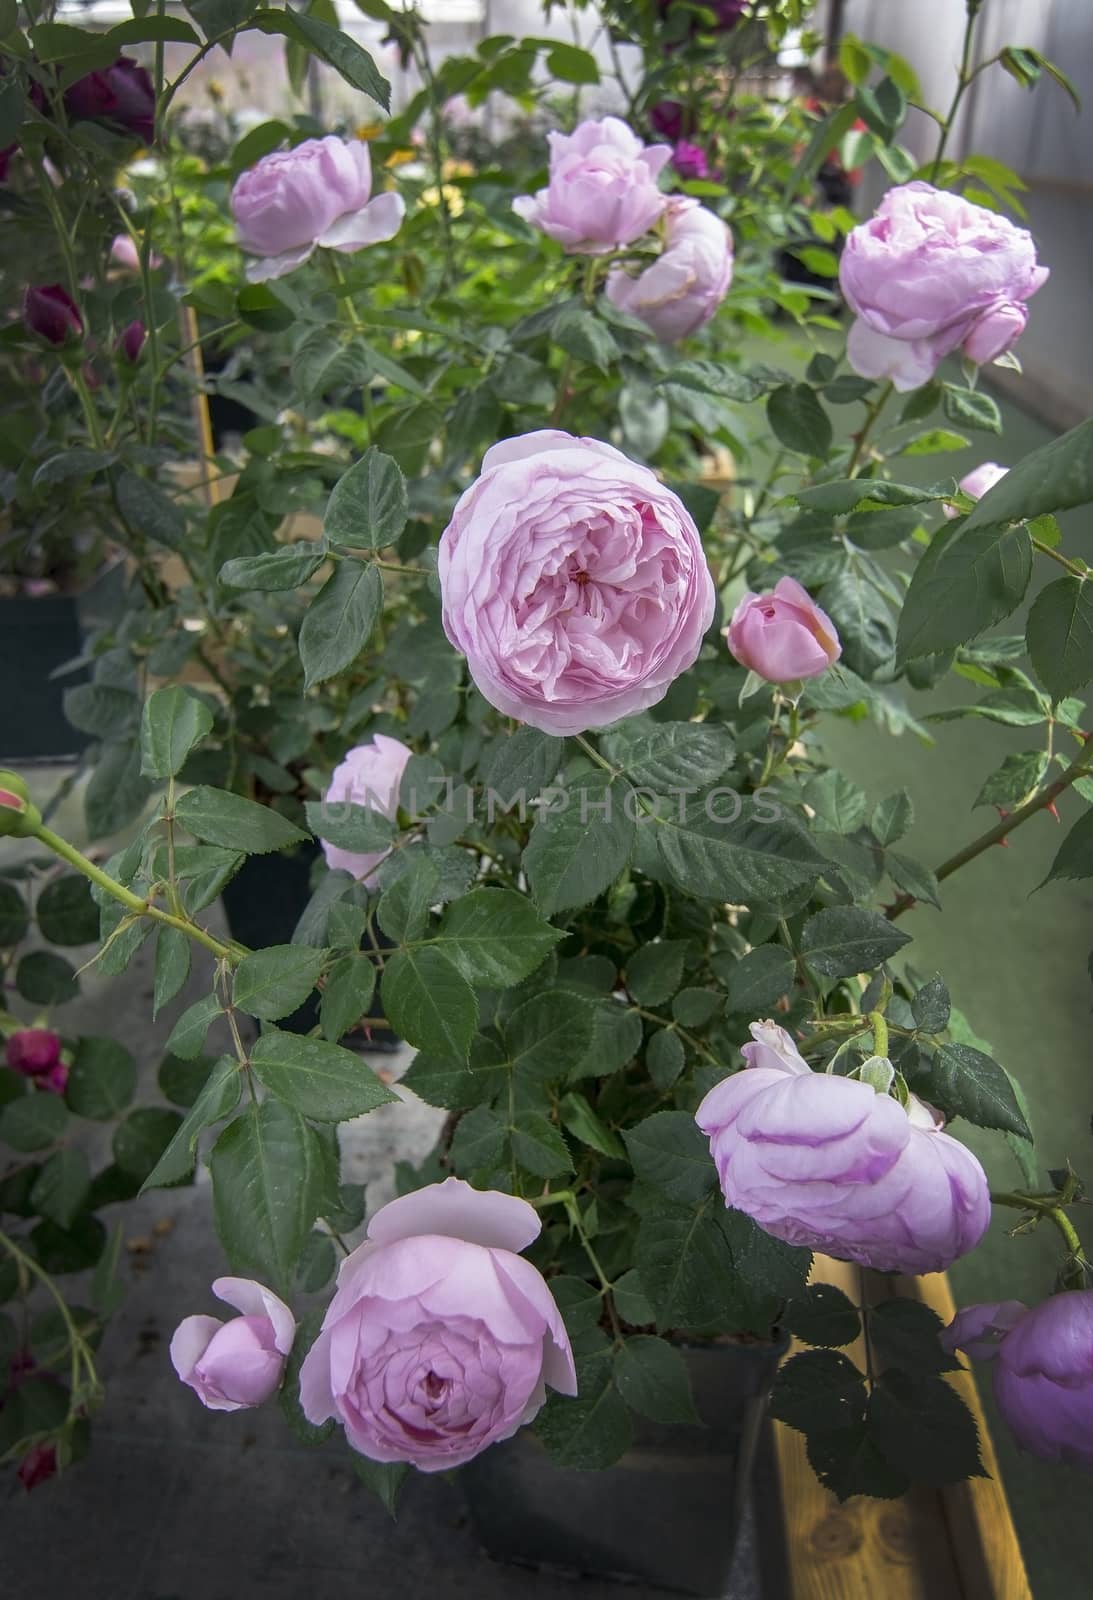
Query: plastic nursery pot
39,634
668,1513
263,903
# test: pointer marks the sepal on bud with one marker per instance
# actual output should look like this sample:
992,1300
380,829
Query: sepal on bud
19,818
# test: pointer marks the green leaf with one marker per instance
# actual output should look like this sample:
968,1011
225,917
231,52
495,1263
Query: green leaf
320,1080
479,1141
117,793
964,1082
915,879
1054,478
655,971
457,1085
267,1188
187,1037
741,862
549,1035
581,334
33,1121
838,803
575,853
935,441
403,911
759,979
651,1375
848,1462
670,1153
15,919
69,1249
495,937
429,1002
272,982
339,621
521,762
274,570
836,499
686,1266
907,1334
66,912
930,1007
695,1007
237,824
1074,858
150,511
630,1300
594,1429
69,464
218,1098
172,966
1060,635
1015,780
841,941
665,1057
331,45
149,29
61,1187
823,1315
347,994
672,755
971,408
102,1079
818,1391
368,506
892,818
924,1429
351,827
46,979
579,1119
963,585
539,1146
182,1081
140,1141
571,64
172,723
384,1478
798,420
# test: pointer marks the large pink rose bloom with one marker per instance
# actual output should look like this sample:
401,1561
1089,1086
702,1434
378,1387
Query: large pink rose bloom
602,190
783,636
573,581
232,1366
319,193
930,273
976,483
684,287
441,1339
369,776
1043,1369
829,1163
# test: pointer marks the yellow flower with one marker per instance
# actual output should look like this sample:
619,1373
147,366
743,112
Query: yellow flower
452,195
368,130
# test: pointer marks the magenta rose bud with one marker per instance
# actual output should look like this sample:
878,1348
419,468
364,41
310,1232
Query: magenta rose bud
976,483
369,775
929,273
50,312
37,1466
131,342
441,1338
689,160
602,189
683,288
573,581
666,118
33,1051
122,94
1043,1369
319,193
233,1366
827,1162
783,636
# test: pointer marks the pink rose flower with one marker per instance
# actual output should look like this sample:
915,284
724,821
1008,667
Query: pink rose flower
233,1366
1043,1369
368,775
50,312
783,636
930,273
602,191
684,287
829,1163
976,483
573,581
124,253
441,1339
319,193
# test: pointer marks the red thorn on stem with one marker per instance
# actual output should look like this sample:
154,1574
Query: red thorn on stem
1054,810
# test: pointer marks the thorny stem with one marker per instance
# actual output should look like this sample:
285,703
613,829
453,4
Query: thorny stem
872,413
576,1222
963,80
1051,1207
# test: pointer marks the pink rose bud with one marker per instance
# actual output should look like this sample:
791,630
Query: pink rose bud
369,776
573,581
37,1466
122,95
319,193
667,119
233,1366
681,291
976,483
441,1339
922,273
124,253
34,1052
50,312
827,1162
689,160
783,636
602,189
131,342
1043,1372
995,332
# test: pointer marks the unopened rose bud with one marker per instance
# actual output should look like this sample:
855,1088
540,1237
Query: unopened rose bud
232,1366
33,1051
783,636
50,312
37,1466
131,342
996,331
19,819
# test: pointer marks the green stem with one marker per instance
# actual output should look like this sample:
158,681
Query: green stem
880,1033
576,1223
964,78
872,413
81,1350
1046,1205
594,755
232,954
94,424
1078,568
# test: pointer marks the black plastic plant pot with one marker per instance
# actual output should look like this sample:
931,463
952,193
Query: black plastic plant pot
264,902
668,1514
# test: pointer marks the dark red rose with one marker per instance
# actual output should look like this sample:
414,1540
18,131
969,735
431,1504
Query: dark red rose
121,94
